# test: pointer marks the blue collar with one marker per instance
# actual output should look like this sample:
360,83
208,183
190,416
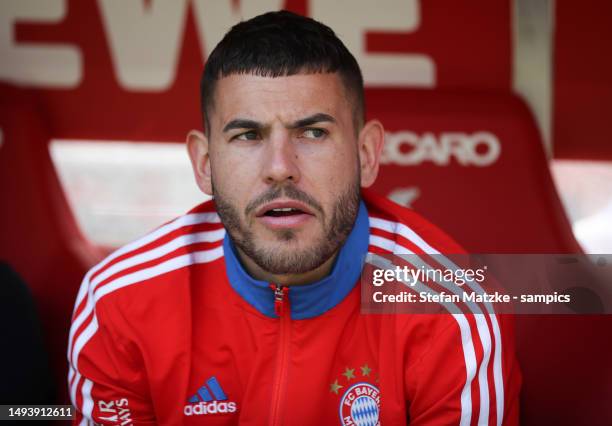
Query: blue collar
310,300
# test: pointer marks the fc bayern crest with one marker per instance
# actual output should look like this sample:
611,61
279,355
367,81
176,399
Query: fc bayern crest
360,405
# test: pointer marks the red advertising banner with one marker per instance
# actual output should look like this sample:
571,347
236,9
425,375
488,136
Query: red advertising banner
582,81
130,70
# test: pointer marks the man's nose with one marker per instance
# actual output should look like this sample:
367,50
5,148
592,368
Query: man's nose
280,159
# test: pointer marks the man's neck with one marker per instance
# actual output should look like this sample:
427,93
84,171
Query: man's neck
258,273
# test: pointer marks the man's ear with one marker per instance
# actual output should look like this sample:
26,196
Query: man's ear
197,146
371,141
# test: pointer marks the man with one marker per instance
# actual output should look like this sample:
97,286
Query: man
261,324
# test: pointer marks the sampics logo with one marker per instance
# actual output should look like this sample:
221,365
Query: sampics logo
210,399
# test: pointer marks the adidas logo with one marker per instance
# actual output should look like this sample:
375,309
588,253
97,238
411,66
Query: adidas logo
210,399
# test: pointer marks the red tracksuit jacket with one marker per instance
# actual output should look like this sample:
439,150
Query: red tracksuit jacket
171,330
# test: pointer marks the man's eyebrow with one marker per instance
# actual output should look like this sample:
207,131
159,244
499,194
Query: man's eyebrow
312,119
242,123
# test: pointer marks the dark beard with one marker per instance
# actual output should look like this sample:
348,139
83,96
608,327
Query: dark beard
335,231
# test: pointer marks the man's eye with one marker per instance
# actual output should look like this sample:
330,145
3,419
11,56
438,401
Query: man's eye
314,133
247,136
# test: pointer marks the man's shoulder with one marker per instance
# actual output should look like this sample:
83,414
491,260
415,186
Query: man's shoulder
402,225
161,256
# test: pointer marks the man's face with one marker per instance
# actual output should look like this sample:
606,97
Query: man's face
284,167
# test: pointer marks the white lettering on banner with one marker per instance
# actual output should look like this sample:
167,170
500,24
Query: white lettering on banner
407,148
351,19
36,64
215,17
144,40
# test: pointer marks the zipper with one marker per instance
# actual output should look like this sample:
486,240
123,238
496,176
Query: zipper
282,310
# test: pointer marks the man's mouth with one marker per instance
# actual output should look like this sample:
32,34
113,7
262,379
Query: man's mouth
284,214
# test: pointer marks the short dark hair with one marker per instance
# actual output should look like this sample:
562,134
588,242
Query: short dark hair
277,44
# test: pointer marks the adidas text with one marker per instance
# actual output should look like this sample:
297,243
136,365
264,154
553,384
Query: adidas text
213,407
